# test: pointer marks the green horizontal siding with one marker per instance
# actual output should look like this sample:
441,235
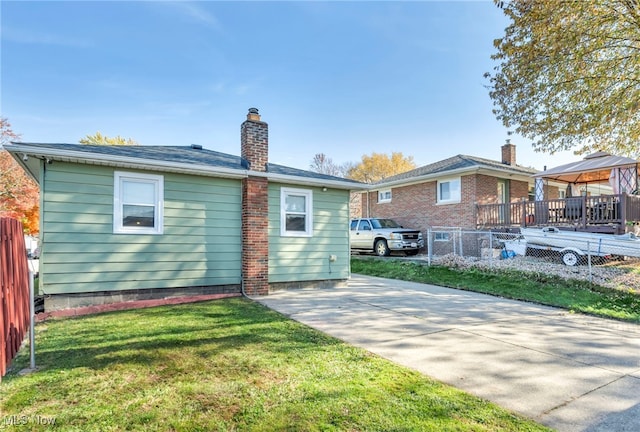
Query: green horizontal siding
171,244
298,259
201,244
131,261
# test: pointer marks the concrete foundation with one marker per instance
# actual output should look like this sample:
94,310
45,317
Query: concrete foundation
54,302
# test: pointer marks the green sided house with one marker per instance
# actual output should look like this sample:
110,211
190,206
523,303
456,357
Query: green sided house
122,223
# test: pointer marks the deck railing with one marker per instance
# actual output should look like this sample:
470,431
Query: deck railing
602,213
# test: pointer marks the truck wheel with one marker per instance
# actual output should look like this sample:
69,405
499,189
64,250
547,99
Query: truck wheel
570,258
381,248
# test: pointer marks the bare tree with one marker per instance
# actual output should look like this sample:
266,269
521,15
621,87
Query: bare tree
325,165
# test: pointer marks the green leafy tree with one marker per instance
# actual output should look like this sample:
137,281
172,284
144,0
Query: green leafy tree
378,166
568,74
99,139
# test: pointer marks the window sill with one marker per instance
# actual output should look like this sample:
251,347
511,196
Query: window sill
140,232
290,234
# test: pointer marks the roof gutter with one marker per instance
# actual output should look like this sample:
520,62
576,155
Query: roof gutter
137,163
444,174
284,178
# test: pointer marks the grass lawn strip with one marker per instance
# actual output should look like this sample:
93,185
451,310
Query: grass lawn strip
226,365
573,295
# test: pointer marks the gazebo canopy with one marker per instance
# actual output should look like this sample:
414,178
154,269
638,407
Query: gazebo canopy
593,168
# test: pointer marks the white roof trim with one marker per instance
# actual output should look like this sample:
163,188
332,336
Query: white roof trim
301,180
124,162
452,173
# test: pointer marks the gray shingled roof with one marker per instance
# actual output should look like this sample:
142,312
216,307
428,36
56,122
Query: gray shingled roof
182,154
456,163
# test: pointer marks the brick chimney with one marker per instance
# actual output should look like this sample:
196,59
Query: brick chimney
509,153
254,139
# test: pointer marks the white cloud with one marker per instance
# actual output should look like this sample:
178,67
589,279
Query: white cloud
195,12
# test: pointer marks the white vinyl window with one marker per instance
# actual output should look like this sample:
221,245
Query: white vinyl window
296,212
441,236
449,191
138,203
384,196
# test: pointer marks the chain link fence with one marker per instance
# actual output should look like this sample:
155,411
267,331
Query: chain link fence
613,261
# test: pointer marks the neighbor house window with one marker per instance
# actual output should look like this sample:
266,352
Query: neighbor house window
296,214
384,196
449,191
441,236
138,203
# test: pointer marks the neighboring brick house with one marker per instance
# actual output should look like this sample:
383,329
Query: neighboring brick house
445,193
124,223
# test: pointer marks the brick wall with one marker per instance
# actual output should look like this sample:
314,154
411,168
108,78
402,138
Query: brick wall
254,143
508,154
355,204
255,241
518,191
551,192
415,205
486,190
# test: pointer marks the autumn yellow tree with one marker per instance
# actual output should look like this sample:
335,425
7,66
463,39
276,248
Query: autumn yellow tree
378,166
19,194
99,139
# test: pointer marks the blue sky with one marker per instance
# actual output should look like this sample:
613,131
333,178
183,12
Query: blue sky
340,78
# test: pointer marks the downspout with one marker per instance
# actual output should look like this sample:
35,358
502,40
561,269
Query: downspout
41,234
368,204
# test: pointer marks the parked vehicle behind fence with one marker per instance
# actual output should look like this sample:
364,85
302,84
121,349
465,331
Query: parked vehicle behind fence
382,236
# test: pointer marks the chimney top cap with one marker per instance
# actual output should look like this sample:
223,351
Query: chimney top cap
508,141
253,114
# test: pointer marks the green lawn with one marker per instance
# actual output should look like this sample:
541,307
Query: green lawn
225,365
574,295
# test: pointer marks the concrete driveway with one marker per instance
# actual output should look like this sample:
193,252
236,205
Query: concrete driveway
567,371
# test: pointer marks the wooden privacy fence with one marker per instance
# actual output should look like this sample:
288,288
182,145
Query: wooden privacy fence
14,291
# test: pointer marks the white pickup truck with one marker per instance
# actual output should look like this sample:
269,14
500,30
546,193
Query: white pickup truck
383,236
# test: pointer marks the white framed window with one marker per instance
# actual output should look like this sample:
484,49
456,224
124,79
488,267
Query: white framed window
138,203
384,196
441,236
449,191
296,212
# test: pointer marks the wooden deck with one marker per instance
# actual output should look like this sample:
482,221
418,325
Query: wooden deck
604,213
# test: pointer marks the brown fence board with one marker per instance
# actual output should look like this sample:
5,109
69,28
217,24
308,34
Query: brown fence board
14,291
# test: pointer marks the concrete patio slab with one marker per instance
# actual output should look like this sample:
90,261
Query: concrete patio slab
570,372
517,378
611,408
